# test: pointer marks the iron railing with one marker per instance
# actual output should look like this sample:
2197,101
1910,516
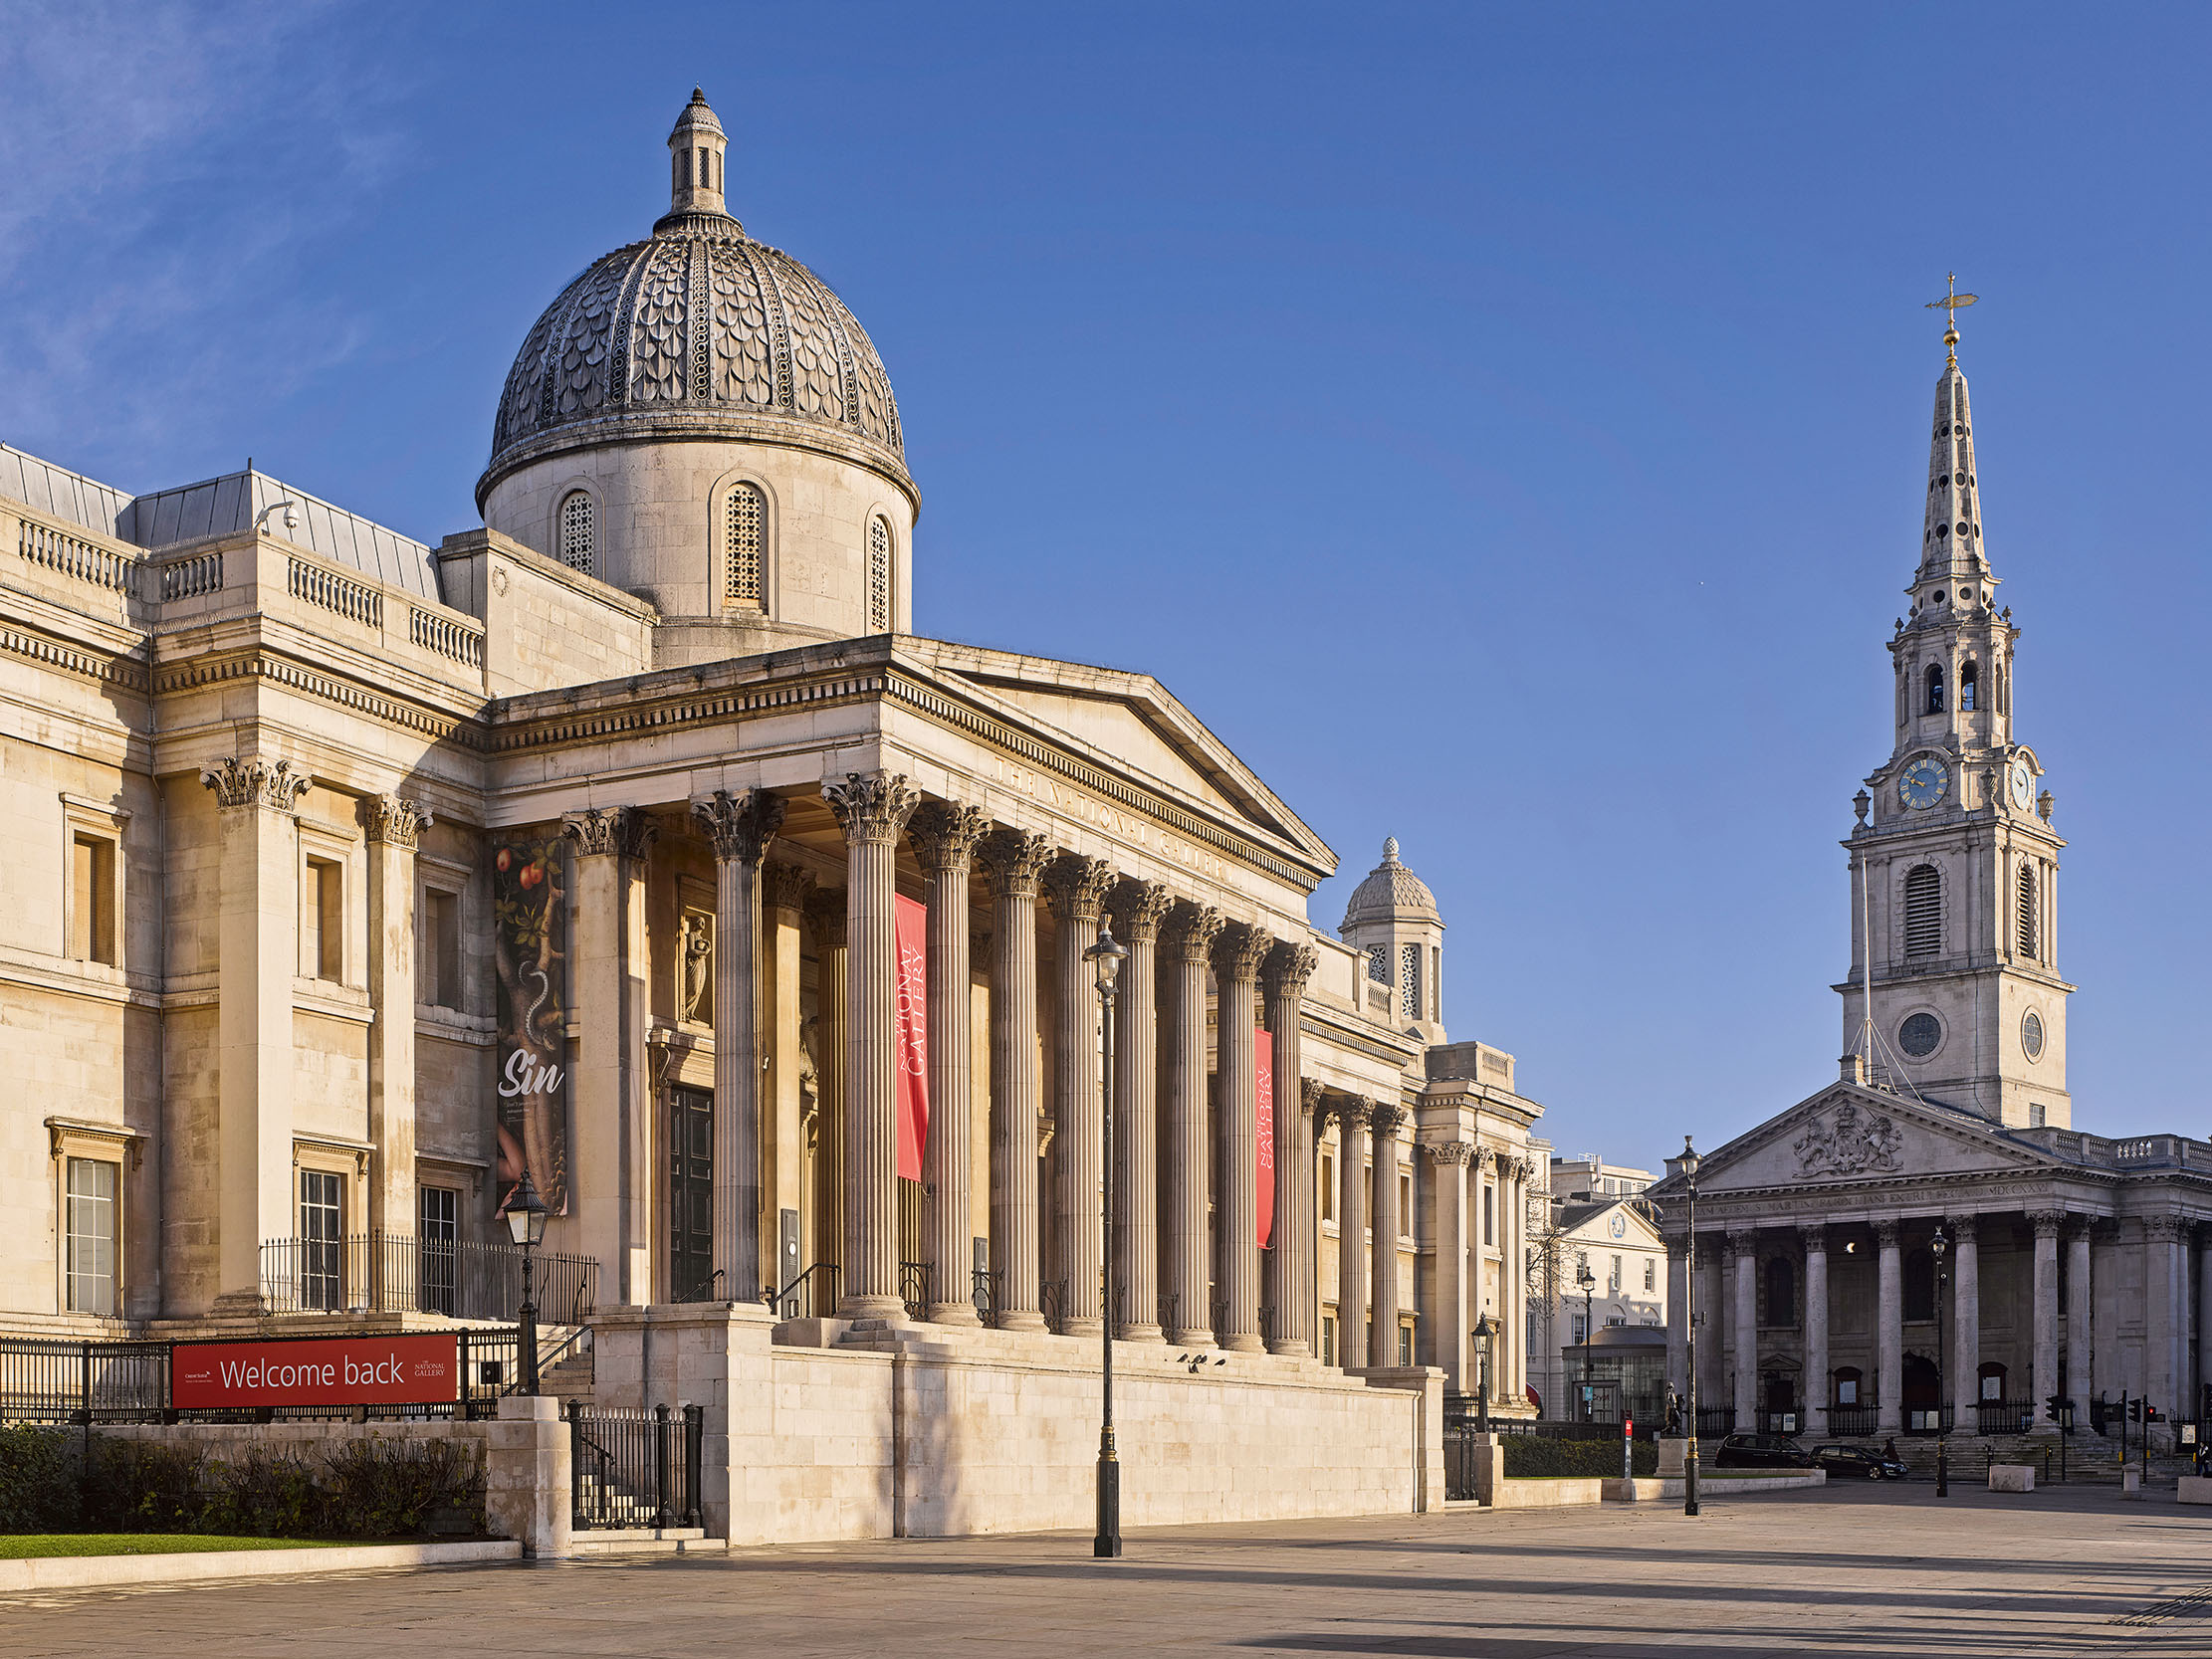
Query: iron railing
811,1295
983,1286
2004,1416
914,1288
1847,1421
397,1273
706,1288
635,1467
1053,1304
1716,1420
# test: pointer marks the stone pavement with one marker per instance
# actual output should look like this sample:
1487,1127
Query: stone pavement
1882,1569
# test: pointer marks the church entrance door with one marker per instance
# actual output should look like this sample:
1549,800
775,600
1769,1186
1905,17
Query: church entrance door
691,1195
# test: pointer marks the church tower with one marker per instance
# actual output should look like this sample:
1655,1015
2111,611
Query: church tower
1954,863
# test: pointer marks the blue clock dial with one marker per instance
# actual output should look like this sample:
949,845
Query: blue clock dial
1921,784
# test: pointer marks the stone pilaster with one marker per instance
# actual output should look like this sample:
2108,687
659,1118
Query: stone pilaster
825,922
612,1166
257,942
872,810
1966,1323
1187,936
394,826
1290,1258
945,834
1818,1389
1745,1319
1451,1314
1016,860
1076,888
2167,1337
1139,907
1351,1231
2047,1224
739,828
785,891
2080,1328
1238,953
1511,1312
1382,1342
1678,1299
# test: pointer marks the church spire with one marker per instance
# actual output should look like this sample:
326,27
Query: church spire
1951,532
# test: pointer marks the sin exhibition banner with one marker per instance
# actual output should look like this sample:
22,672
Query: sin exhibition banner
911,929
530,913
1263,1114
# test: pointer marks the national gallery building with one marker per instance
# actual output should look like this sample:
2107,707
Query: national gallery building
634,838
1929,1239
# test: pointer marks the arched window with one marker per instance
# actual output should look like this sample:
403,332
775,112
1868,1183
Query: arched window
1923,912
1781,1290
1919,1286
2031,936
1846,1379
879,576
1935,688
1966,686
579,537
744,532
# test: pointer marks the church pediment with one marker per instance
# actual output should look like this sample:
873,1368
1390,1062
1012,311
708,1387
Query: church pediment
1846,1134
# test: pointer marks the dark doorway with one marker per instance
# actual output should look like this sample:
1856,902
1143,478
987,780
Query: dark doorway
691,1195
1919,1382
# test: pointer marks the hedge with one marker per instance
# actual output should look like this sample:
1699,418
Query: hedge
1539,1455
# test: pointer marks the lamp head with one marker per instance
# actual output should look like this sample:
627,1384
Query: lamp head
1938,1245
525,1213
1106,956
1690,1159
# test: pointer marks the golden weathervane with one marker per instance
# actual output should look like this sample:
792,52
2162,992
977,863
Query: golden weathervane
1950,305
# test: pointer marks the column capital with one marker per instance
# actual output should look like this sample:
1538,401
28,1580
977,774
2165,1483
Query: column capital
1743,1241
1309,1098
1188,930
944,835
872,808
1238,949
2166,1228
270,784
1888,1233
826,918
2048,1223
1288,967
1016,859
1960,1228
396,820
624,830
1350,1112
1075,886
1386,1119
740,825
1813,1235
1139,907
1484,1158
787,886
1450,1152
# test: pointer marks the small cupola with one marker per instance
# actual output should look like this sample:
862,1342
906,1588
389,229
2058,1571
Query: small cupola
694,158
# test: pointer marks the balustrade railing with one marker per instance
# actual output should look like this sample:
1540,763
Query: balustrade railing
188,577
67,556
399,1273
446,636
339,595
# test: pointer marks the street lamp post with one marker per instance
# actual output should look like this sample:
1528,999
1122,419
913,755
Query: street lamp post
1690,1162
1939,1247
1589,1282
1486,1329
526,1225
1106,956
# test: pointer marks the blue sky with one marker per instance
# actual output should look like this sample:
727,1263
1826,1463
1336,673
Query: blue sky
1504,425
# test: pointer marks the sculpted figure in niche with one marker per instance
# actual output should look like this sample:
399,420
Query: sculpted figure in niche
697,967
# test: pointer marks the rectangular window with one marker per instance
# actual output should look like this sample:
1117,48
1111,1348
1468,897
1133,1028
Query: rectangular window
1847,1391
91,1261
1580,1330
1405,1205
322,1203
1405,1345
441,948
1582,1264
1328,1338
1651,1277
1328,1188
1612,1287
1489,1214
322,921
92,916
438,1237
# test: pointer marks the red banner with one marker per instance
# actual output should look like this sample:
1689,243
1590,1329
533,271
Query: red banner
316,1370
912,929
1263,1099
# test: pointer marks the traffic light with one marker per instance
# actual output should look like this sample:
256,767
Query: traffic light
2050,1409
2135,1412
2151,1412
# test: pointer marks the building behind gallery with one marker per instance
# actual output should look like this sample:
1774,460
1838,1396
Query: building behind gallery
347,875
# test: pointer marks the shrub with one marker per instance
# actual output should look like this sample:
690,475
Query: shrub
1529,1455
38,1478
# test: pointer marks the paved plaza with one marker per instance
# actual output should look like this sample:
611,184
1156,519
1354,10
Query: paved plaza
1852,1569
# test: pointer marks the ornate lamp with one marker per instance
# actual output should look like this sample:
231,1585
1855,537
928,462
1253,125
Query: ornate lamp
526,1225
1106,958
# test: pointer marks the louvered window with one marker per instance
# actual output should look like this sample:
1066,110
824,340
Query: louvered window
1967,686
2031,936
1923,912
1409,981
879,576
578,528
743,520
1935,688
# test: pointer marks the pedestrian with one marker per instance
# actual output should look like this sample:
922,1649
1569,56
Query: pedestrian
1890,1451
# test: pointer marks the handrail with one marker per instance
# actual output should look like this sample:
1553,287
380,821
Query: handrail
789,1295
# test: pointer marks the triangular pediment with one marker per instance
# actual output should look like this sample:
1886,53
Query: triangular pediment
1846,1134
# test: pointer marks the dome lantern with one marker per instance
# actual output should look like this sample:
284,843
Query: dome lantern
696,151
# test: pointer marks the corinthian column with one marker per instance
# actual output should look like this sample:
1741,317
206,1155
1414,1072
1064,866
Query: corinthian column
1818,1388
1966,1326
2047,1225
871,809
1745,1246
395,828
1076,886
740,826
1238,953
1290,1258
826,919
1447,1314
1889,1334
1350,1232
1139,907
1016,859
945,834
1382,1332
1186,937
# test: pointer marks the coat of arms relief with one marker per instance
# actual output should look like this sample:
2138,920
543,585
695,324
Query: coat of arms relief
1853,1143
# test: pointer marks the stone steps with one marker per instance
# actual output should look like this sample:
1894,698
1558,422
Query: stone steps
647,1541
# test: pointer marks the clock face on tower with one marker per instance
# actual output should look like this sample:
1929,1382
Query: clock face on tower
1922,784
2023,784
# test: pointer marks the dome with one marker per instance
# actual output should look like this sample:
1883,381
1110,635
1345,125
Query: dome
698,330
1391,893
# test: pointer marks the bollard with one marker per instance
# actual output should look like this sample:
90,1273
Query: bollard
1942,1471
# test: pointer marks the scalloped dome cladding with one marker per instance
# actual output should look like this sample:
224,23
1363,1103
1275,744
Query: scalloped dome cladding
699,321
1391,890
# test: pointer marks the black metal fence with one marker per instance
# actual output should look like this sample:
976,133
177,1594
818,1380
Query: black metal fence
635,1468
1846,1421
2004,1416
56,1381
399,1273
1716,1420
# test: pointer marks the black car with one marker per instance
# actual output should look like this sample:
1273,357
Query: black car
1856,1460
1761,1451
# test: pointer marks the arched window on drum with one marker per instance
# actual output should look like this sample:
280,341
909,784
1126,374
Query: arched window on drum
579,530
744,547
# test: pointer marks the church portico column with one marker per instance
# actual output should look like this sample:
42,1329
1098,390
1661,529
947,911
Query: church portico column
740,827
1185,1255
1744,1318
1818,1388
1351,1231
1238,953
826,919
2204,1299
1139,907
872,809
1291,1257
945,834
1678,1299
1449,1320
1382,1339
394,826
1964,1379
2047,1225
1076,888
1017,861
1889,1332
2165,1287
2081,1333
